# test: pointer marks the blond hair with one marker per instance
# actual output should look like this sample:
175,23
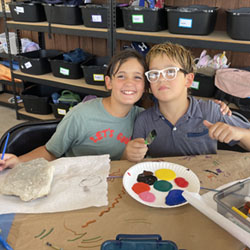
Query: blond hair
175,52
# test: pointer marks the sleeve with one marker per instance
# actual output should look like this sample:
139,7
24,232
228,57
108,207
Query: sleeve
66,135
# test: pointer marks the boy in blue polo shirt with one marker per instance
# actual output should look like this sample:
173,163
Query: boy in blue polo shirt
184,125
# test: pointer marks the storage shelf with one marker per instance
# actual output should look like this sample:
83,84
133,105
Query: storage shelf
78,85
25,115
4,97
6,82
74,30
4,55
215,40
8,14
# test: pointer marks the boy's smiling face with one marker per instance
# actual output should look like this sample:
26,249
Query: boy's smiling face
169,90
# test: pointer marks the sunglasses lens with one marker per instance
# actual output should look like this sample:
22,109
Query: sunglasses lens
153,76
170,74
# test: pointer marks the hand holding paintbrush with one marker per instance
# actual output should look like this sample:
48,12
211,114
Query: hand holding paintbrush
137,149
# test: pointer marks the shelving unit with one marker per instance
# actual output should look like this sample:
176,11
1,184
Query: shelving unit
216,40
79,85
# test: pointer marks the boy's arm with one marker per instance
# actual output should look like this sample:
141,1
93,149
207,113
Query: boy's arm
135,150
225,133
10,160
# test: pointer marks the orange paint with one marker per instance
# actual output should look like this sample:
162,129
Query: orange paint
140,187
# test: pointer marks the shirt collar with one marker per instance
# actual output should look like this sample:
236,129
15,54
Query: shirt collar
193,111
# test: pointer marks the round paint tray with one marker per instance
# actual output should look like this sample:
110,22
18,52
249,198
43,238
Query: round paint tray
162,185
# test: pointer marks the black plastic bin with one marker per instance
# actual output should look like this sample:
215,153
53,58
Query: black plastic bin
63,14
36,62
36,99
60,109
68,70
96,15
95,72
238,23
192,19
144,19
27,11
203,86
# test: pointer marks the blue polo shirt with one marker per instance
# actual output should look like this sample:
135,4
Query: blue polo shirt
189,136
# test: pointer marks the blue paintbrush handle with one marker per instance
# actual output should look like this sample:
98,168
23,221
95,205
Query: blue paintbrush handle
5,146
5,244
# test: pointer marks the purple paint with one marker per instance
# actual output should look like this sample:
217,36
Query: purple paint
174,197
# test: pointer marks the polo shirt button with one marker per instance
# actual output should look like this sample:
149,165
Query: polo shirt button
174,128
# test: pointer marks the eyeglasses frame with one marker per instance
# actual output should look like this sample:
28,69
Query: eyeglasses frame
161,72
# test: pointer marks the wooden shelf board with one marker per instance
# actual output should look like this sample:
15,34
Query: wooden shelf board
4,97
81,83
36,116
216,36
62,26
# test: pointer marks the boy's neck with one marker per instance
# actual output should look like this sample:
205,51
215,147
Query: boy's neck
115,109
174,110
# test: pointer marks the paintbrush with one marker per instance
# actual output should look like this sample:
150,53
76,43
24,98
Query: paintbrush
5,146
4,243
151,136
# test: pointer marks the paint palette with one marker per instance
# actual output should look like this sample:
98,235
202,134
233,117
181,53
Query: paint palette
160,184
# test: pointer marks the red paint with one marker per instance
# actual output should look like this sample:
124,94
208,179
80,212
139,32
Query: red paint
181,182
129,174
140,187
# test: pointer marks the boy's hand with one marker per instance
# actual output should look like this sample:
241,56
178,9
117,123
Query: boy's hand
225,110
223,132
9,161
135,150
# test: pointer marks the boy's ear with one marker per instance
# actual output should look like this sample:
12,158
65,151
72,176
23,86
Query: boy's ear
189,79
108,82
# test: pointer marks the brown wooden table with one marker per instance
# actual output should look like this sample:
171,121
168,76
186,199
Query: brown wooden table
88,228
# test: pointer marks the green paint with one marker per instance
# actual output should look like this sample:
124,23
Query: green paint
163,186
37,236
91,239
50,231
79,237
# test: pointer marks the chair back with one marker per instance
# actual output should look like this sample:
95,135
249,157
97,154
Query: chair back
27,136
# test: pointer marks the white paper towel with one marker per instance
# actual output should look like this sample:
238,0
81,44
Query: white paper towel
199,203
78,182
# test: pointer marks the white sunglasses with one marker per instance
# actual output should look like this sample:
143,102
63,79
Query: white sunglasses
169,73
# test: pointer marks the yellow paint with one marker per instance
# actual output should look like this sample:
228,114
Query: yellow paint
165,174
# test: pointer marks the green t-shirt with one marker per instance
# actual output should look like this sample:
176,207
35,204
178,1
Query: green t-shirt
88,129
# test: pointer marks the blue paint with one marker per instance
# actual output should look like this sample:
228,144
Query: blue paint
174,197
5,225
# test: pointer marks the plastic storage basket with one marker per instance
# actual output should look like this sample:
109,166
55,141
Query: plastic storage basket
238,23
94,73
36,99
96,16
144,19
27,11
203,86
193,19
36,62
63,14
234,196
68,70
138,241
